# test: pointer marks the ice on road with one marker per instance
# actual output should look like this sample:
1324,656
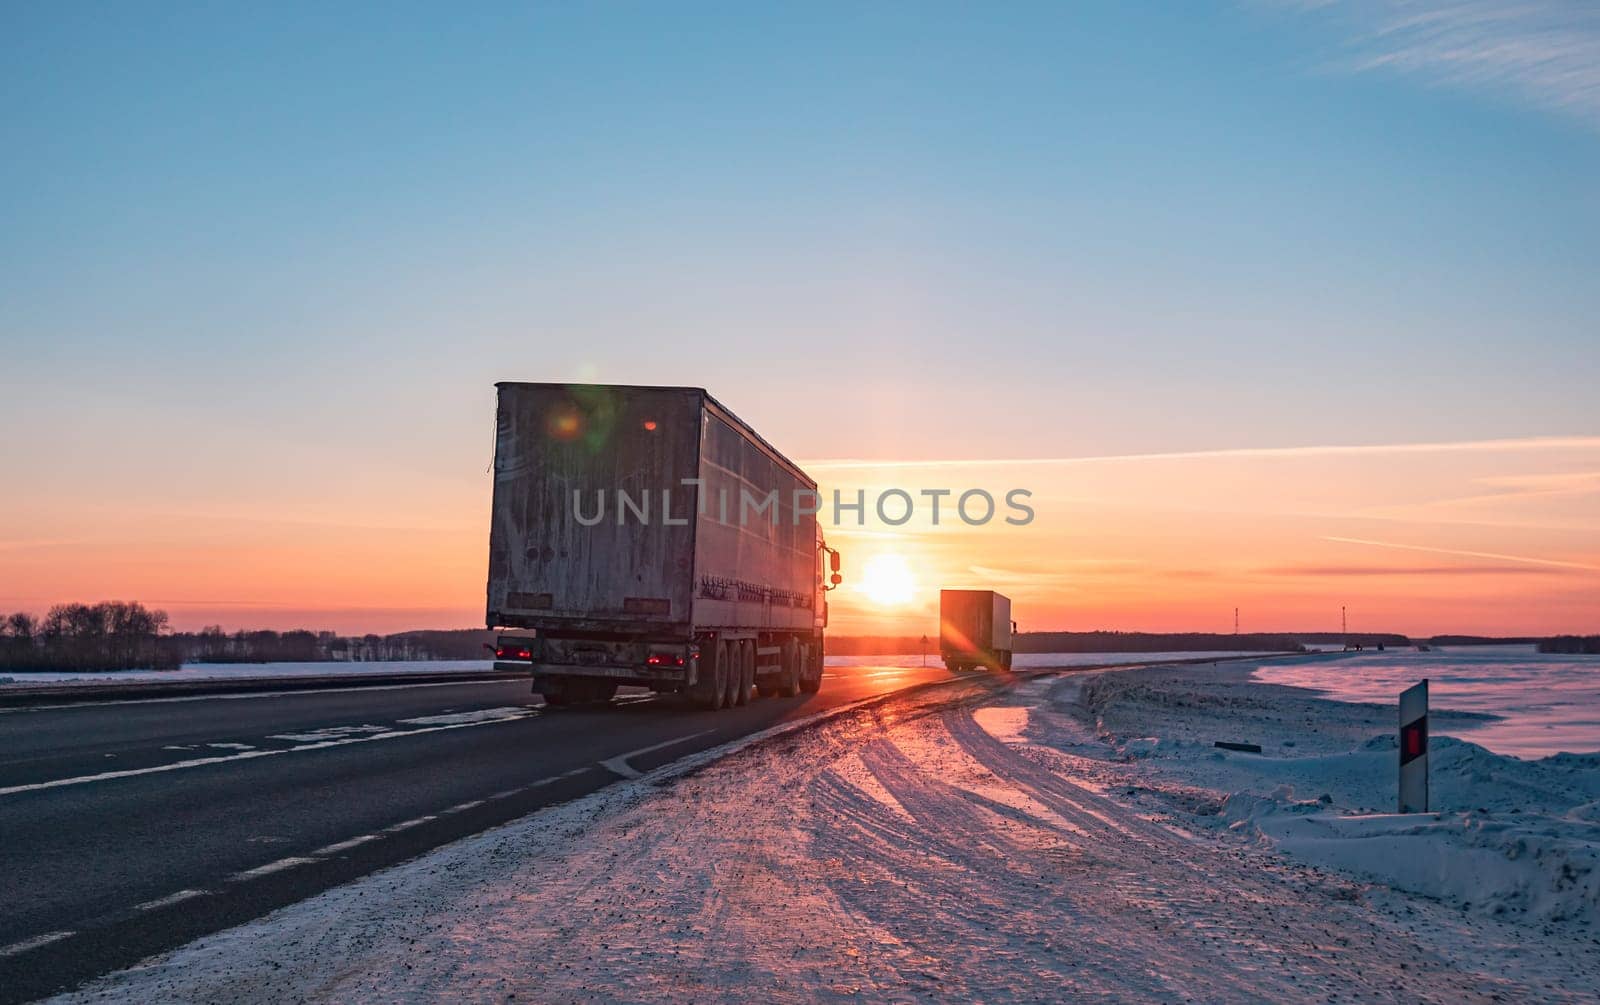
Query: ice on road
991,849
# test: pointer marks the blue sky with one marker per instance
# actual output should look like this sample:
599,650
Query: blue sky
1101,202
300,242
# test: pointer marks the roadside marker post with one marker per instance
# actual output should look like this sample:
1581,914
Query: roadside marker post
1414,748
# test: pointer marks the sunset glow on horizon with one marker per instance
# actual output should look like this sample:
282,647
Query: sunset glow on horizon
1482,537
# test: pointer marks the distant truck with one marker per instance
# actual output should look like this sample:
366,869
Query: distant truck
975,629
647,536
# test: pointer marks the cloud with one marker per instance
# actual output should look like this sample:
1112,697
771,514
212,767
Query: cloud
1375,449
1520,559
1411,570
1545,52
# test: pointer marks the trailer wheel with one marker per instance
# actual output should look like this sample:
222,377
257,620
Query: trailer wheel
730,685
747,673
554,691
811,669
789,679
709,684
727,669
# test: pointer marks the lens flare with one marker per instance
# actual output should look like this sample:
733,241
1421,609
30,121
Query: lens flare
887,580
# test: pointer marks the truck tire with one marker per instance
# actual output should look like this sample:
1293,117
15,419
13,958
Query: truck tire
727,670
811,668
789,678
1005,659
554,691
747,693
747,673
711,681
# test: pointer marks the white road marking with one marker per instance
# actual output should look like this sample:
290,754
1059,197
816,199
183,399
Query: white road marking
463,807
232,746
408,824
170,899
619,764
339,846
503,714
17,948
227,758
575,772
270,868
328,733
180,746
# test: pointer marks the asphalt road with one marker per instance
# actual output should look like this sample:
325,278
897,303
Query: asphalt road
128,828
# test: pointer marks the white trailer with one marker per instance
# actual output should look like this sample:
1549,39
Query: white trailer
646,535
975,629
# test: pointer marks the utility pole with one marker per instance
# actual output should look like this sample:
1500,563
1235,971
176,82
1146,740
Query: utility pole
1344,627
1236,621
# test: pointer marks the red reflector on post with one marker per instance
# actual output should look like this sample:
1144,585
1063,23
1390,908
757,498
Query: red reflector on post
1414,740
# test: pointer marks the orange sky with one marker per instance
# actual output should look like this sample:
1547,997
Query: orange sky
1495,537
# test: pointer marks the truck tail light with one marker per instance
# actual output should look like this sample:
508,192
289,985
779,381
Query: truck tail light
666,660
512,653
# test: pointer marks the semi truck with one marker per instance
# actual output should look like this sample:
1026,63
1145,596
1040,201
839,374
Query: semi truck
975,629
647,536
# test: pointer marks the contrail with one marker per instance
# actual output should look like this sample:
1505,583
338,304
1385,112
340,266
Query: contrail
1466,554
1485,446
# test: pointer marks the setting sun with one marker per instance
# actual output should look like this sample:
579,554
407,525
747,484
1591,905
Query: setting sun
887,580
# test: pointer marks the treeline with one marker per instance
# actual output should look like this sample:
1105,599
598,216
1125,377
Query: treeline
129,636
106,636
1154,642
213,645
1587,645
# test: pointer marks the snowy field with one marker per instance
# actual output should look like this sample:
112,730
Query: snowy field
1545,703
236,671
1073,837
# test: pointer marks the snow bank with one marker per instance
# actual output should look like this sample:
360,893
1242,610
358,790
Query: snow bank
236,671
1511,837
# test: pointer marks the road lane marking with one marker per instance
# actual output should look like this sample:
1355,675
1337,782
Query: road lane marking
247,755
503,714
463,807
619,765
339,846
170,899
328,733
270,868
408,824
37,941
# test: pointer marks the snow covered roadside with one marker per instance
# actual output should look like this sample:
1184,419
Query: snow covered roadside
1513,838
993,849
246,671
